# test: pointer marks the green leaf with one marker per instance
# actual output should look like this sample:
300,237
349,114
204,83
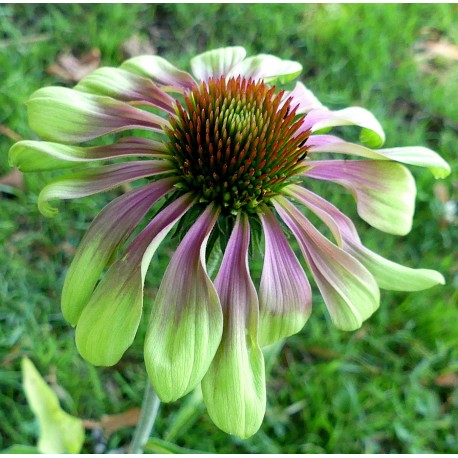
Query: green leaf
156,445
19,449
59,431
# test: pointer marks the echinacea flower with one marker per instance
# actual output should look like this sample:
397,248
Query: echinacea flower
230,156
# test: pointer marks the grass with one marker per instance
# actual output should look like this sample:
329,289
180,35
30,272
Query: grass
386,388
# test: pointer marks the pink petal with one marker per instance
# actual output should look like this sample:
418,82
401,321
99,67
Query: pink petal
92,181
384,191
348,289
107,233
234,387
284,293
109,322
186,322
388,274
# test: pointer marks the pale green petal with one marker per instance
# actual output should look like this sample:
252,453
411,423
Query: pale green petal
392,276
186,321
126,86
285,297
349,290
59,431
384,191
37,156
266,67
108,232
234,388
372,133
64,115
108,324
217,62
388,274
160,70
94,180
412,155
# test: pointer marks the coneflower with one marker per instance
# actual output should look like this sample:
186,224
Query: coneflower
229,155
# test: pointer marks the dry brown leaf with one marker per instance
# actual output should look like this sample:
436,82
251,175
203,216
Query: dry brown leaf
323,352
447,380
72,69
135,46
441,48
441,192
9,133
434,52
15,179
113,423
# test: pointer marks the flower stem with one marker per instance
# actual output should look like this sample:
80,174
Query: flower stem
150,407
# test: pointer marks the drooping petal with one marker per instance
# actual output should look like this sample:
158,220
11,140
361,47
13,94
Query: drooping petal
107,233
92,181
384,191
234,387
159,70
109,322
266,67
303,98
413,155
388,274
36,156
125,86
348,288
64,115
217,62
284,293
186,321
372,133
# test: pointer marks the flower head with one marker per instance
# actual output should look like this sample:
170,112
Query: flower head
229,154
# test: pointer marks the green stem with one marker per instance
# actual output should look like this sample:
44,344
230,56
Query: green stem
150,407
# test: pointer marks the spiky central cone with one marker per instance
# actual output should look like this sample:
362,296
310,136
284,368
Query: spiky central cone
235,143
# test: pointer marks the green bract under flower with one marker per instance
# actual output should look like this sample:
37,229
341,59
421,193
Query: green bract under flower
221,148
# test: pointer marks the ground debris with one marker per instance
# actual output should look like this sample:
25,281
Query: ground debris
135,46
72,69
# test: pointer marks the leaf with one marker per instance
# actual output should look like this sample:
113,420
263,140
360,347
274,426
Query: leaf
59,431
19,449
156,445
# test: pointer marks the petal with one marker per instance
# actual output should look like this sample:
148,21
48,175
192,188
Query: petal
388,274
109,322
36,156
266,67
92,181
217,62
159,70
372,133
284,293
107,233
348,289
125,86
384,191
413,155
234,387
64,115
186,321
303,98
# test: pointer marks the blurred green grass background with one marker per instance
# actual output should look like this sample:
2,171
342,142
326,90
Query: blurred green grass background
390,387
